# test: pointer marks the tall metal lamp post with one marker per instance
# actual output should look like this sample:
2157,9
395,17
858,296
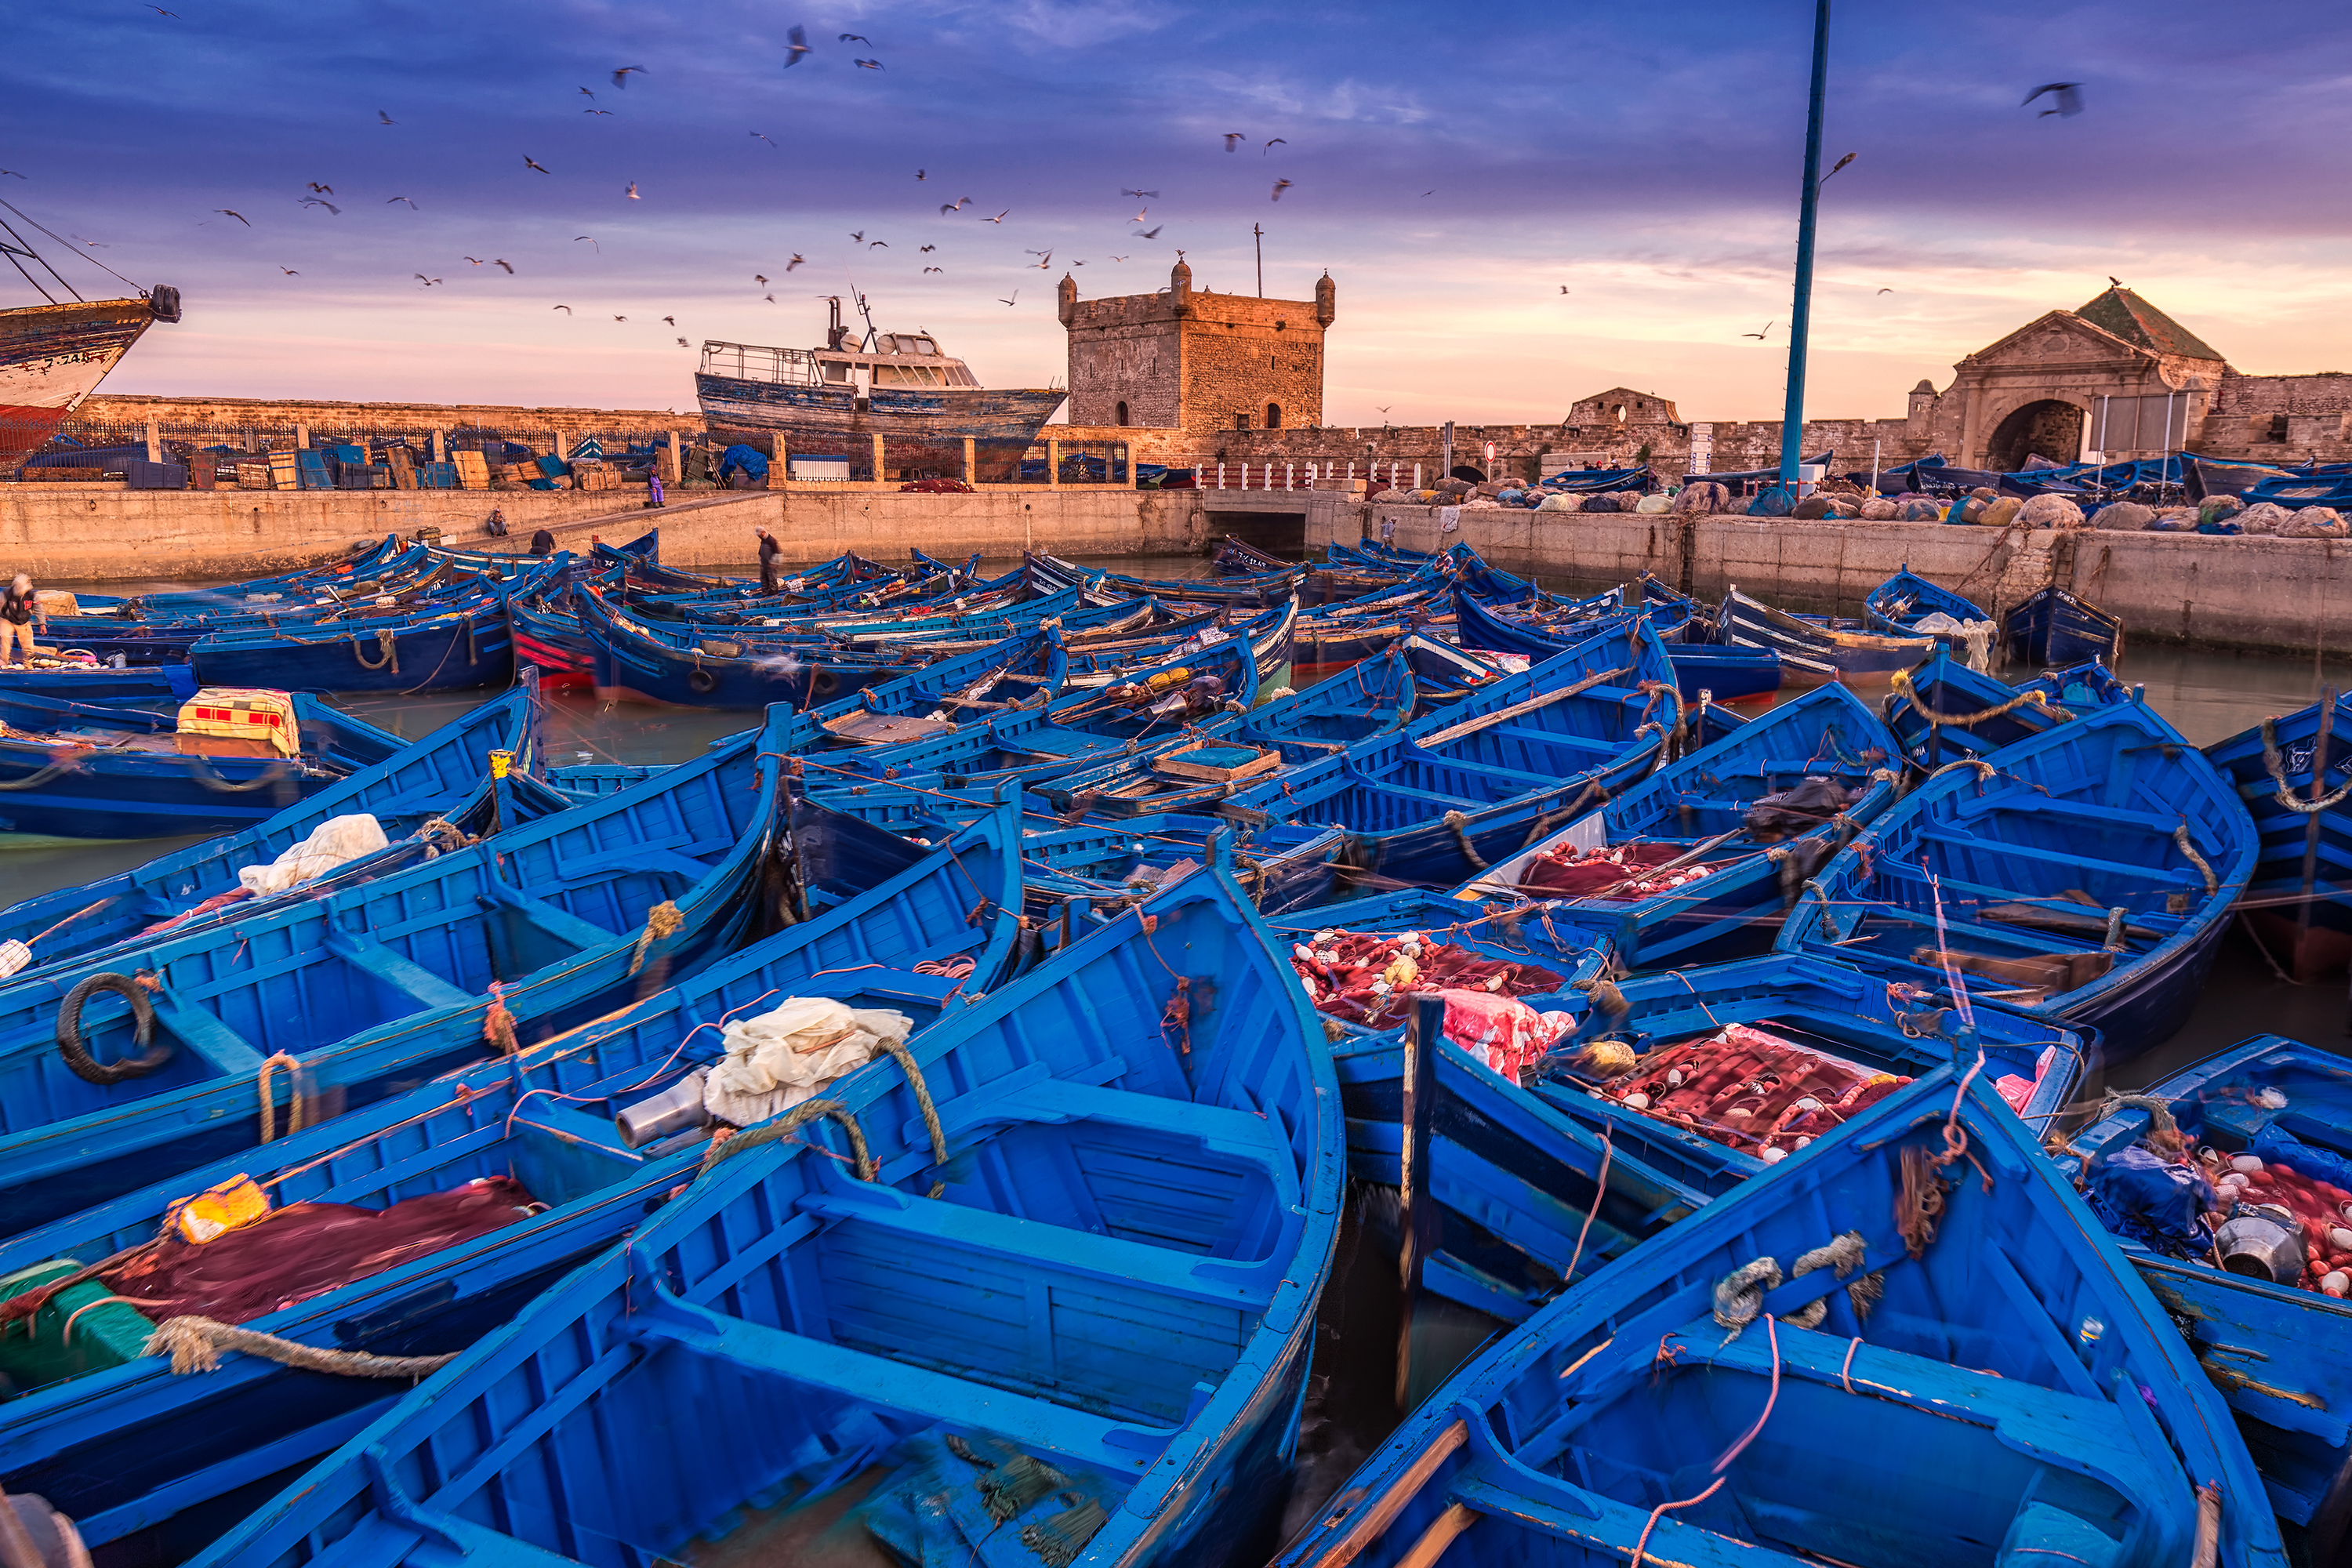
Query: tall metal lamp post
1792,417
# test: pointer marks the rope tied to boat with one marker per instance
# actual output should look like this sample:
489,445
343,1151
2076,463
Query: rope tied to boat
2276,767
498,1023
907,1064
781,1131
1608,1001
265,1082
1902,684
442,836
387,651
1842,1253
661,921
69,759
2180,836
1459,825
208,776
1739,1295
2161,1125
195,1345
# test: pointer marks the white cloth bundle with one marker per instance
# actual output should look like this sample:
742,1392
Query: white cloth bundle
786,1055
333,843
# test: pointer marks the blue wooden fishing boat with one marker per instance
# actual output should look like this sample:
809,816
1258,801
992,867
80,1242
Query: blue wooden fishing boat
338,1001
128,683
1818,647
2295,776
2056,627
1898,606
89,770
2275,1341
1910,1345
566,1145
2079,688
431,777
1944,711
717,670
2085,876
1723,670
449,647
547,638
1144,1138
1258,591
1489,775
1759,1034
1700,860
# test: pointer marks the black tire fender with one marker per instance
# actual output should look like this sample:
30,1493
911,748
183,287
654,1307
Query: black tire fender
88,1068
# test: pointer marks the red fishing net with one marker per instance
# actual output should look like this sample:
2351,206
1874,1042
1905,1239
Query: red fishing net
1620,871
2320,1206
1751,1089
305,1249
1365,976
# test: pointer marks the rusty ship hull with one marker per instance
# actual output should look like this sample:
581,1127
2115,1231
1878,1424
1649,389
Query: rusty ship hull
53,356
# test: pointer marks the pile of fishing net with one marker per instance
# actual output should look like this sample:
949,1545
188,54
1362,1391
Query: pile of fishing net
1617,872
1750,1090
229,1257
1365,976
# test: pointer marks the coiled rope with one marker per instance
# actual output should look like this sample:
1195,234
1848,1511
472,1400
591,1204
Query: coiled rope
195,1345
387,651
1739,1295
1845,1255
781,1131
2276,767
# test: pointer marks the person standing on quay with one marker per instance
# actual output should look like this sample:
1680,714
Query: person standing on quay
654,490
18,605
770,577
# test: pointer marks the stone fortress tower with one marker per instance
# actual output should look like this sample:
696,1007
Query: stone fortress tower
1195,360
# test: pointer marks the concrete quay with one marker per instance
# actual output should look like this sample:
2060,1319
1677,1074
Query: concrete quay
2251,591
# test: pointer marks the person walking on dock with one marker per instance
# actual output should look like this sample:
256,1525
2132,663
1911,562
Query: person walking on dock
769,578
18,605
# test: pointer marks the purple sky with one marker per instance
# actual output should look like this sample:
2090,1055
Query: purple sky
1644,157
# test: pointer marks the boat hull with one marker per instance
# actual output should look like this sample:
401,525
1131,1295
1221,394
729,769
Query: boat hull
53,356
2053,627
828,419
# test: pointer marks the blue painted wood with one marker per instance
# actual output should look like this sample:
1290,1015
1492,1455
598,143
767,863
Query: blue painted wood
2057,628
376,987
2050,834
431,777
137,1456
2295,901
1945,688
2281,1356
1120,1278
1816,648
1694,803
89,770
2015,1387
454,647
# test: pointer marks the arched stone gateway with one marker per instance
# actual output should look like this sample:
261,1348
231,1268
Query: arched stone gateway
2049,428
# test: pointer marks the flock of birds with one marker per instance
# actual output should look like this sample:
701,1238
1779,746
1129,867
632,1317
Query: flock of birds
2066,101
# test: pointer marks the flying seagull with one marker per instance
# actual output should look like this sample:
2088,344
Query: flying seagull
999,217
1016,294
620,318
1759,336
633,191
290,272
1279,186
795,261
534,164
389,200
586,93
508,265
387,118
671,320
1887,291
318,189
2066,96
1141,195
595,111
928,248
315,202
1118,258
1150,233
429,282
922,173
2115,280
578,237
1563,287
1277,141
857,38
868,65
621,76
763,138
1234,139
935,270
955,207
872,244
231,212
565,309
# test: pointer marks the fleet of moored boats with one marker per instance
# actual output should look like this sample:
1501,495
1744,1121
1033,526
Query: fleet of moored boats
425,1192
